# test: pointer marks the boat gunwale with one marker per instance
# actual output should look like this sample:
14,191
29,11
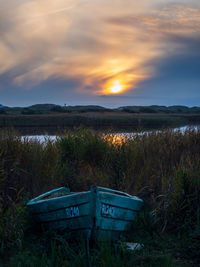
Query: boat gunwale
129,197
117,193
39,200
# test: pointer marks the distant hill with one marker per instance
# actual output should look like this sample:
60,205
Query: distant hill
53,108
42,107
160,109
89,108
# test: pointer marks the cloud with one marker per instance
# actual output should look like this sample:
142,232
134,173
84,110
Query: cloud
32,34
93,42
178,75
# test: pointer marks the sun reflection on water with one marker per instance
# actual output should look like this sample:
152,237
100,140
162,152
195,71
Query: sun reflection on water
115,139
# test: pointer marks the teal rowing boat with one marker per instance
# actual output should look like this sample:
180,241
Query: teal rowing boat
102,212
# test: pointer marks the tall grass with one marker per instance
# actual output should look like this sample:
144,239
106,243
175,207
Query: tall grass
161,167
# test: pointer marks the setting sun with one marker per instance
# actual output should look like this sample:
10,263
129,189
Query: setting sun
116,87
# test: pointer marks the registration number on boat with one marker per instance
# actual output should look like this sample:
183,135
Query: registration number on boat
72,212
107,210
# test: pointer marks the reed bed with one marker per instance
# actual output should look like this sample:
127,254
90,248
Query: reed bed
160,167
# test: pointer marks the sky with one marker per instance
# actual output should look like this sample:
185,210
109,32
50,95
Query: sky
100,52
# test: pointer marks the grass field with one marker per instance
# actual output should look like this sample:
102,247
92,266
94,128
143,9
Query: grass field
161,167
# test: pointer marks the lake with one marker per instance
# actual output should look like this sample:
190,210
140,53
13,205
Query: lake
43,138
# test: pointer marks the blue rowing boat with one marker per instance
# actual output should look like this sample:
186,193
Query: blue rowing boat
101,212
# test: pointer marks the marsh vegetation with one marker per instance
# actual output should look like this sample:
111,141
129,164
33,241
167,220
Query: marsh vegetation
102,121
160,167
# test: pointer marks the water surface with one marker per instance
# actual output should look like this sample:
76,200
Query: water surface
43,138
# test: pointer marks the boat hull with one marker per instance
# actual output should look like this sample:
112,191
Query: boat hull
69,213
103,212
114,214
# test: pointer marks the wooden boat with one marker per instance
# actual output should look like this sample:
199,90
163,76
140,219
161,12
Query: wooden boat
101,212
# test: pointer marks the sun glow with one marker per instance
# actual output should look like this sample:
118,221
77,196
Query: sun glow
116,87
119,85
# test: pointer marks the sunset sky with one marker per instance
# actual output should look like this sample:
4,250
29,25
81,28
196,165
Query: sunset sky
102,52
